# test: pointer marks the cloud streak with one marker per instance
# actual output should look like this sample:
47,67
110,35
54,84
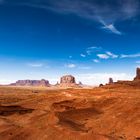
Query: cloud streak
82,55
92,49
103,56
130,55
35,65
70,66
107,55
96,60
106,12
111,28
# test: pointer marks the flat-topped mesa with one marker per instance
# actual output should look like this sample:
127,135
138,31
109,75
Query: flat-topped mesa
42,83
67,80
137,74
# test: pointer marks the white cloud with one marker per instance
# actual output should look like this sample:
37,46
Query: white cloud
111,28
96,60
94,10
112,55
82,55
98,78
35,65
130,55
92,49
70,65
103,56
107,55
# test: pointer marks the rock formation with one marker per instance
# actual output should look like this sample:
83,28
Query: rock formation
110,80
101,85
67,81
80,83
137,74
42,83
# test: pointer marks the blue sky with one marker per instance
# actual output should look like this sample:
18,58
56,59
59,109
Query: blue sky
92,40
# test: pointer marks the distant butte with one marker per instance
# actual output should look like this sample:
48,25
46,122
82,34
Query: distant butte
137,74
42,83
67,81
70,81
134,83
110,80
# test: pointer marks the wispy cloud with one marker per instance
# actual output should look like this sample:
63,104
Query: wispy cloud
130,55
103,56
112,55
106,11
99,52
92,49
70,65
35,65
107,55
111,28
82,55
96,60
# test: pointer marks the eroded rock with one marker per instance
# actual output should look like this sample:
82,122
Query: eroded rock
42,82
137,74
67,79
111,81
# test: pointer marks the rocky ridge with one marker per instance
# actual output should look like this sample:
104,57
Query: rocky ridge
42,82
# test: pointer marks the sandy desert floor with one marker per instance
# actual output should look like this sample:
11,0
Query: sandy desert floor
107,113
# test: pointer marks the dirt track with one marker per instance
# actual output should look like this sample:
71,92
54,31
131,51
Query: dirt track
110,113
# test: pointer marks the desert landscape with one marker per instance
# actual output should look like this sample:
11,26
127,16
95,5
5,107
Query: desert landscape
69,69
109,112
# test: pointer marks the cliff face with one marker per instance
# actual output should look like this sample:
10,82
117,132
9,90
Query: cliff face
31,83
110,81
67,79
137,74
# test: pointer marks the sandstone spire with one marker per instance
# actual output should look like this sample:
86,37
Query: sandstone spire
137,74
110,80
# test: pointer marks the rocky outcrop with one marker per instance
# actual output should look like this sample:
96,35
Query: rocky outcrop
137,74
80,83
111,81
101,85
42,83
67,79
